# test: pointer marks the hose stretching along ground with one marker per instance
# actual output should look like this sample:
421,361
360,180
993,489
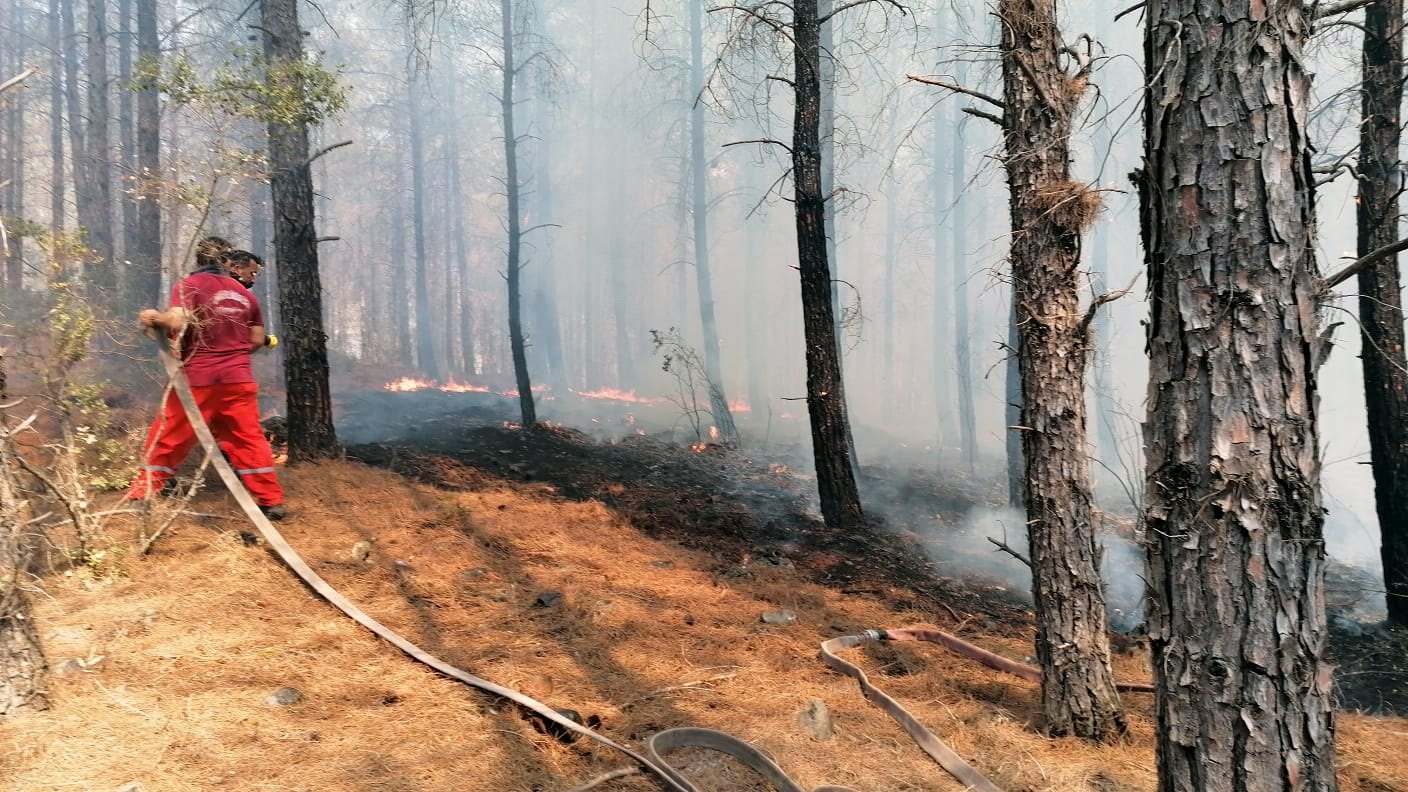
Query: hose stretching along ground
651,760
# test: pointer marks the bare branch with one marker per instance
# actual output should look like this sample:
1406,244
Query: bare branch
329,239
759,140
1129,10
1107,297
996,119
325,149
1340,8
956,88
855,3
19,78
1362,263
1008,549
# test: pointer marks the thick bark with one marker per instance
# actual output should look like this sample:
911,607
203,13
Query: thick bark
703,275
311,434
512,187
1049,212
1232,503
836,482
96,205
145,257
1380,292
22,664
1012,413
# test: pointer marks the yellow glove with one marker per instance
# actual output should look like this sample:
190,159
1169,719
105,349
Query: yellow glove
271,340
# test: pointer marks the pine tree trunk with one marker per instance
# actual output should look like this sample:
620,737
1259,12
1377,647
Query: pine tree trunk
311,434
145,258
512,187
425,333
836,483
22,664
962,330
1380,292
703,275
13,276
57,182
98,203
460,245
1049,213
1232,504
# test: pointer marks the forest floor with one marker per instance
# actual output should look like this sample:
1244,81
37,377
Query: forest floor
624,576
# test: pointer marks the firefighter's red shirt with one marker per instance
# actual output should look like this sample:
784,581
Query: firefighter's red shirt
216,349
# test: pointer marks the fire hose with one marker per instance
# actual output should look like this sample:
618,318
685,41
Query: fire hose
684,737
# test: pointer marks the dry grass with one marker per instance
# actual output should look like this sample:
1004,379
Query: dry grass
194,638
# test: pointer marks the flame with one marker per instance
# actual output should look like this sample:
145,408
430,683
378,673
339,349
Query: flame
408,384
463,387
698,448
513,393
617,395
739,406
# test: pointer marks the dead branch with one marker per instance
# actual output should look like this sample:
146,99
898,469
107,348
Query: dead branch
1129,10
996,119
759,140
18,78
1107,297
1339,8
1363,263
956,88
855,3
1008,549
325,149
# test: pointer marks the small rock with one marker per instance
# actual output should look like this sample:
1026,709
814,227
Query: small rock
663,564
249,538
779,617
361,550
69,667
689,618
477,573
816,718
130,786
284,696
548,599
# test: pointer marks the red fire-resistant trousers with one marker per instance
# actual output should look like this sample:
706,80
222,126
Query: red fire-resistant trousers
232,413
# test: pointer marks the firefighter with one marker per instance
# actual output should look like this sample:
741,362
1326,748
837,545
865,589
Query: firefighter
217,323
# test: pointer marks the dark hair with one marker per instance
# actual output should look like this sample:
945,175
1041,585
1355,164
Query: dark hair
237,257
211,252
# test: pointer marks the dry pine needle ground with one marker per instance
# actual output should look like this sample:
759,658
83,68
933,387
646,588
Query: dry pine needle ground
195,638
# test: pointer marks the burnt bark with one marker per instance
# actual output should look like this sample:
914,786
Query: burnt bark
514,189
1234,523
311,435
1049,212
836,482
1380,292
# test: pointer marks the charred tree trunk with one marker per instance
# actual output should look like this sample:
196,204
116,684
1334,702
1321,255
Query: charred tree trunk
1049,213
1380,292
22,664
145,257
1232,503
835,477
512,187
699,201
311,434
